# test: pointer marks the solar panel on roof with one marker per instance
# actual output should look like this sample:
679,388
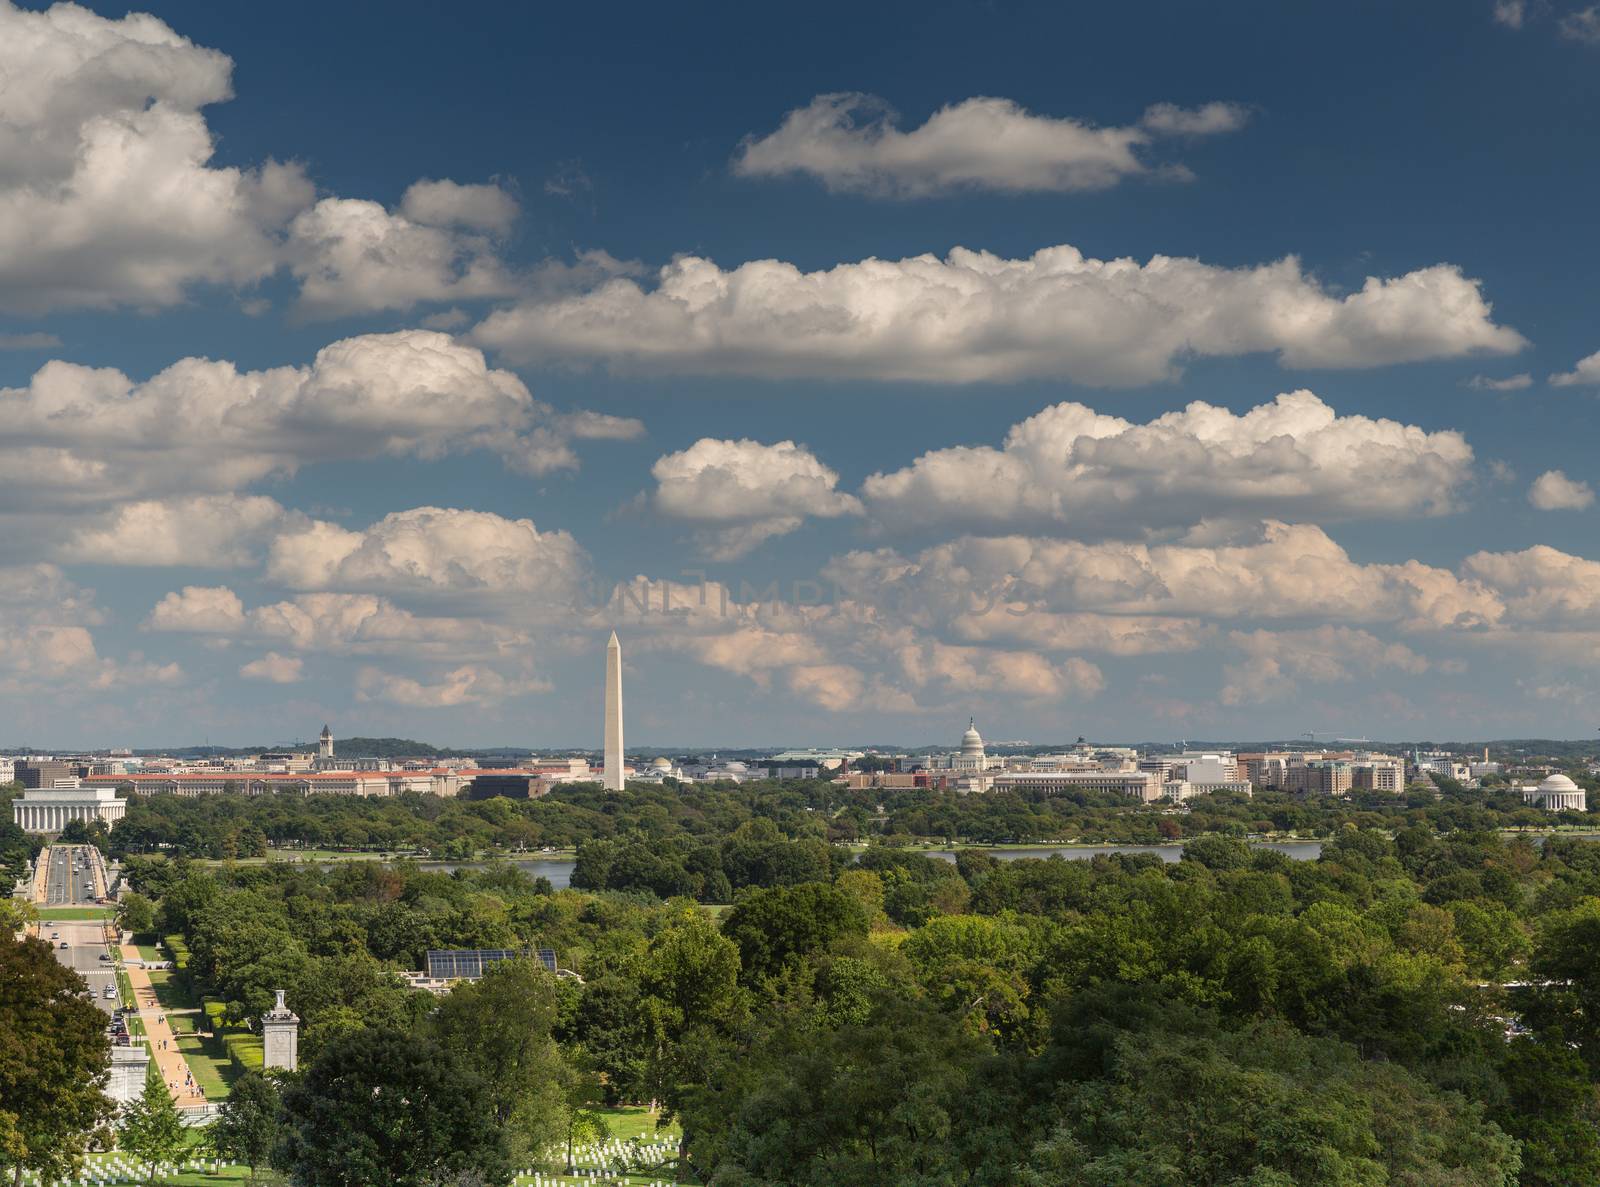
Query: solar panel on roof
455,964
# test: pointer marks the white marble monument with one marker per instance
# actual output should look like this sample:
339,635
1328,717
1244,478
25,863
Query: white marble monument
280,1037
128,1066
614,774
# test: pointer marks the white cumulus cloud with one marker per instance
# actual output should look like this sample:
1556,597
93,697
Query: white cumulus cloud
1283,571
439,550
1554,491
1582,25
207,531
1510,13
851,142
974,316
445,203
340,623
353,256
274,668
1272,665
107,194
1541,584
1511,383
1072,467
139,457
466,685
47,644
1585,374
751,491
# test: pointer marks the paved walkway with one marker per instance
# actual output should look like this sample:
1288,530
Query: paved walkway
170,1061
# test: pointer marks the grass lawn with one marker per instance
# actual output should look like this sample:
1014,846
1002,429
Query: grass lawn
228,1174
124,986
77,914
625,1123
636,1121
168,992
210,1073
149,952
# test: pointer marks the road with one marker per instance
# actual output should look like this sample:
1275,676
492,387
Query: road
85,944
76,877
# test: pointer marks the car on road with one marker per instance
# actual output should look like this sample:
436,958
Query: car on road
64,944
105,956
111,991
55,935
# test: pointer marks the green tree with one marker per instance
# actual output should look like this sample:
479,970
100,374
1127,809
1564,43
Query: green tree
379,1107
581,1095
151,1129
54,1060
248,1122
859,1105
500,1027
1154,1092
16,914
1565,998
778,927
136,913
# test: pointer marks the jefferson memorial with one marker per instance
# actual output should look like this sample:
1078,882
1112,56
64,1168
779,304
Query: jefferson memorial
1556,794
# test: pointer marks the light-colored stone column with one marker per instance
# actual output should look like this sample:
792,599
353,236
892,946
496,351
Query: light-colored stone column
280,1035
614,778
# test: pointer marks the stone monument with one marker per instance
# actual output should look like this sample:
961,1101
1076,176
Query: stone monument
280,1037
614,777
128,1066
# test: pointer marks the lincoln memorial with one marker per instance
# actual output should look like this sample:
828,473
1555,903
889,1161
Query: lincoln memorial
48,811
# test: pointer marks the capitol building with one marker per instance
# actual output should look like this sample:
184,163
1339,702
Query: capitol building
970,768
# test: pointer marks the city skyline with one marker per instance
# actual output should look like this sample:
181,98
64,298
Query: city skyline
991,367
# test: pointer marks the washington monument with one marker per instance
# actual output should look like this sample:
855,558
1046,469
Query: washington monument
614,778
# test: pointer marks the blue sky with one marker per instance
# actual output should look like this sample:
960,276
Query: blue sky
529,248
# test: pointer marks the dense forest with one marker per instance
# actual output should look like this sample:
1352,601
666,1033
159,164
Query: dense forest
1420,1009
673,819
17,848
1419,1005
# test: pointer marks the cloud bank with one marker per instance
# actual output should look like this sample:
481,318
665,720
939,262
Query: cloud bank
977,317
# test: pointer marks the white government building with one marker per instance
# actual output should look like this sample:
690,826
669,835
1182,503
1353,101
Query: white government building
50,810
1556,794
